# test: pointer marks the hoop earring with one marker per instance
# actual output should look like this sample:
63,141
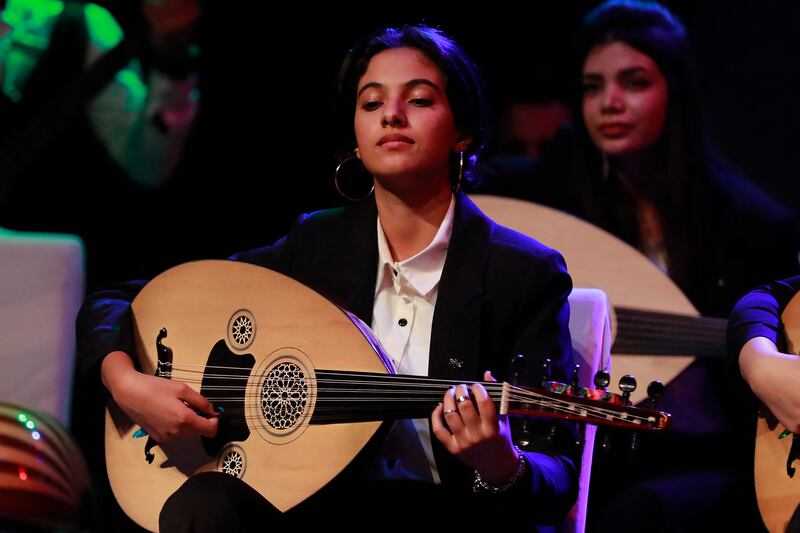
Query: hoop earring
606,166
460,172
336,181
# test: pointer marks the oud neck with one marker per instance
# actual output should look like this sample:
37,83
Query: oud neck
344,397
363,396
652,333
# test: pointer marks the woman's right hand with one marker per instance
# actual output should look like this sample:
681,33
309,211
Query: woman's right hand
773,377
164,408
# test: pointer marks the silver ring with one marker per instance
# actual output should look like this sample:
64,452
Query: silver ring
463,398
450,411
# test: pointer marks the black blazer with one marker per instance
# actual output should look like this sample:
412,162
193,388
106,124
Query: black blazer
500,294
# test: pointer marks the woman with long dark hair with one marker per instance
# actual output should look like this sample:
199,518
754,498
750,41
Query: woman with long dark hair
647,173
644,171
637,163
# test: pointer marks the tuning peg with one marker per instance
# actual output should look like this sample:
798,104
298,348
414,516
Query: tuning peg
602,379
575,370
655,390
518,364
547,370
627,384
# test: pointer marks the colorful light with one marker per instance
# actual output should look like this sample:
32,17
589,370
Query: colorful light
29,424
23,474
36,435
103,29
22,417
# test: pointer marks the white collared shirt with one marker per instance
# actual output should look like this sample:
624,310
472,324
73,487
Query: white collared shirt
402,318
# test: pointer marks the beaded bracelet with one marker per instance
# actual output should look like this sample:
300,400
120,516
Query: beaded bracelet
480,485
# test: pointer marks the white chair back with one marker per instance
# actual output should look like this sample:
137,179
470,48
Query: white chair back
590,328
41,290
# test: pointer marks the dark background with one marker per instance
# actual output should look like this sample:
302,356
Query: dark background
259,154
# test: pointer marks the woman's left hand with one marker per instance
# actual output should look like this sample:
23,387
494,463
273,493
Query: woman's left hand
473,432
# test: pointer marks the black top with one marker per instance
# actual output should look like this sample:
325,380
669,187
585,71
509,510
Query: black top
758,314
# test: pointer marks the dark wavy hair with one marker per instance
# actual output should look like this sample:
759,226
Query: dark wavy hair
647,26
464,87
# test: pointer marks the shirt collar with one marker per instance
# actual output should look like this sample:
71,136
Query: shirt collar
423,271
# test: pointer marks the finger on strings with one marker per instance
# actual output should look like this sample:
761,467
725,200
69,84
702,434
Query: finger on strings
450,412
204,426
197,401
466,407
485,405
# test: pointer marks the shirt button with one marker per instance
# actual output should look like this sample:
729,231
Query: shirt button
402,322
